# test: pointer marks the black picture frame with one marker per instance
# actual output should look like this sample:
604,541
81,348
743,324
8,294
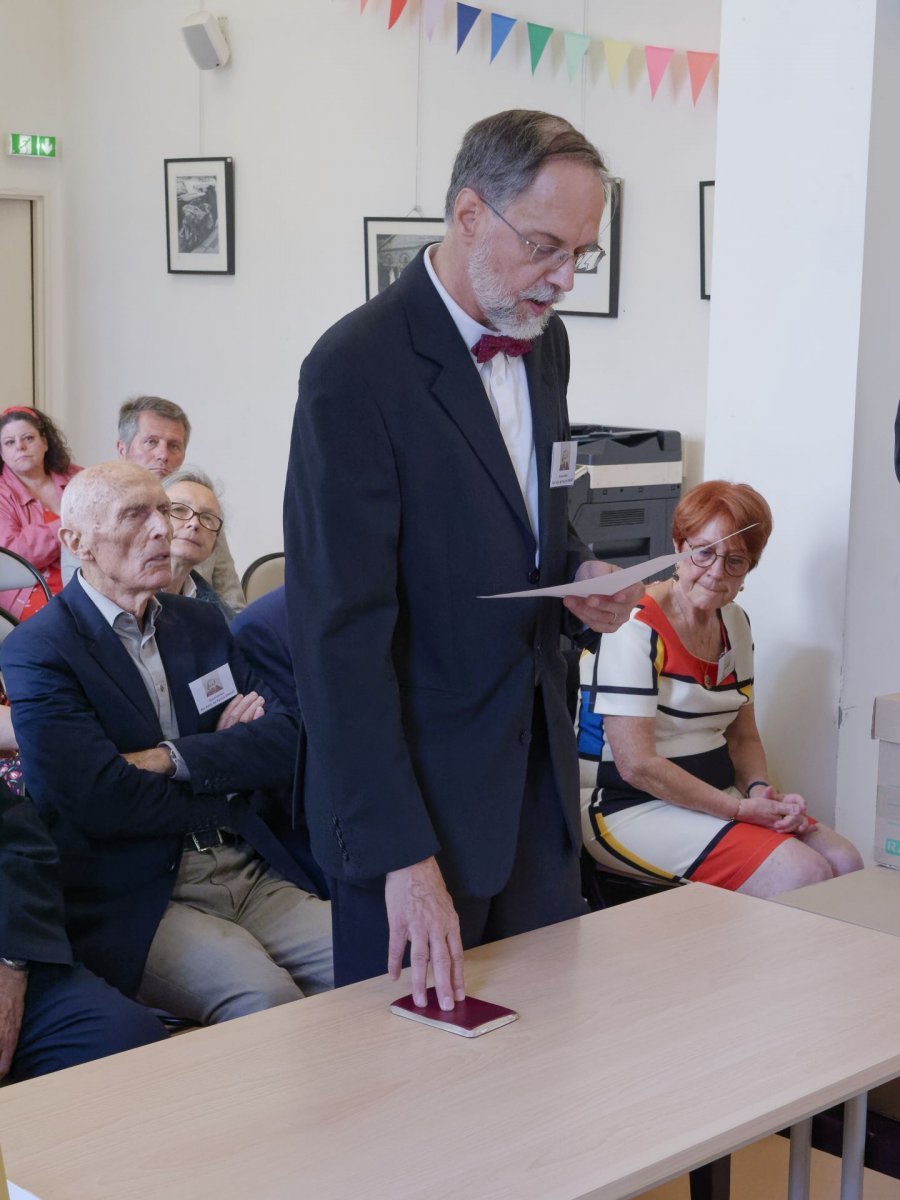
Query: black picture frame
199,216
707,212
596,292
391,243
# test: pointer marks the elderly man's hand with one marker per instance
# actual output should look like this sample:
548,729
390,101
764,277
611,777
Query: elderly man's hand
241,710
602,614
12,1005
420,911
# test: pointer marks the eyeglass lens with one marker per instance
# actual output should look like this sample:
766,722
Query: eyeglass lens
183,512
735,564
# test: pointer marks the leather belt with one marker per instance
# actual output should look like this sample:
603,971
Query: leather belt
209,839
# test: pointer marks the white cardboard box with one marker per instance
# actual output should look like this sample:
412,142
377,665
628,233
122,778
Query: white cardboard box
886,727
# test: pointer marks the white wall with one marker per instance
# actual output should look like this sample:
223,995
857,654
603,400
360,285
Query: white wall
34,86
793,158
321,109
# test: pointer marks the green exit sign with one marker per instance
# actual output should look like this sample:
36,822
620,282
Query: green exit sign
32,145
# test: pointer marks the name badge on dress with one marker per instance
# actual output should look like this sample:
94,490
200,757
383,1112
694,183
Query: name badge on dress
213,688
562,464
725,667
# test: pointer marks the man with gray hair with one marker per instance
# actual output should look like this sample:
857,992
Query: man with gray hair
426,471
155,432
156,759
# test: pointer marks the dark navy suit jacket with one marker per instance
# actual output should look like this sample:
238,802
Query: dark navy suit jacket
79,703
402,507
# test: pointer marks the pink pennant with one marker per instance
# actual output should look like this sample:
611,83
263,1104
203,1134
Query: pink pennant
657,60
397,7
362,5
699,64
432,10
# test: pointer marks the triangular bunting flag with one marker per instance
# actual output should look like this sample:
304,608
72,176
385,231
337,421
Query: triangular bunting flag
500,27
699,64
657,60
362,5
576,46
432,10
538,37
616,57
466,16
397,7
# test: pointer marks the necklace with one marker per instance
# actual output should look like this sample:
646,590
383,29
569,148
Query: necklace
706,652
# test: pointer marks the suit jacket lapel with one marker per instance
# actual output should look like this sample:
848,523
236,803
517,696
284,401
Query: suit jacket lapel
457,385
180,660
102,643
544,426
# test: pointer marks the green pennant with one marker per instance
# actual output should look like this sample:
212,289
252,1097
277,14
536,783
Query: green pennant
538,37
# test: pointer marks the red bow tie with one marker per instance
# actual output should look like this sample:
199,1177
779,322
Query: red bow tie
490,344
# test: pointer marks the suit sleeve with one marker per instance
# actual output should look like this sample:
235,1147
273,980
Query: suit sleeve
31,904
343,524
74,767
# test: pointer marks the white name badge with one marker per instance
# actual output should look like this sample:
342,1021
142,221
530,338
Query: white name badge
562,464
726,666
213,688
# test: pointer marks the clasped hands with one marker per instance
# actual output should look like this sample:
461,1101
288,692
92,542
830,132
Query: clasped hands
602,614
781,812
240,710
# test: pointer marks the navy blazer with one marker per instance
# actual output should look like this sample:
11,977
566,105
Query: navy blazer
31,901
79,703
402,507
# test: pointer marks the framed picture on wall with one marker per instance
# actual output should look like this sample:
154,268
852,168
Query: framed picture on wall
596,290
707,209
200,216
391,243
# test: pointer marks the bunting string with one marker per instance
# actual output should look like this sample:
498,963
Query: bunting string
576,46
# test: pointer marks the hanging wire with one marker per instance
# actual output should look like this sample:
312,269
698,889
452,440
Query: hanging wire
417,207
584,70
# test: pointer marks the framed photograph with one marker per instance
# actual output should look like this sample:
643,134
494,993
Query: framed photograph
391,243
596,290
707,209
200,216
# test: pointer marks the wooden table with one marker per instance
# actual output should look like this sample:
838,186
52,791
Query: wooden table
654,1037
870,898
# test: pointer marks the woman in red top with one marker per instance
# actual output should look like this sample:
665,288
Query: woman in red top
37,465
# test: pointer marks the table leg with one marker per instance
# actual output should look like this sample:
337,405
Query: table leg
798,1166
854,1147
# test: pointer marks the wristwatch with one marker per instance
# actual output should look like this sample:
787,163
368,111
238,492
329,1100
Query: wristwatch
15,964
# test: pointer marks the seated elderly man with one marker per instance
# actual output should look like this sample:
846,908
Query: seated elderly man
154,432
53,1014
156,758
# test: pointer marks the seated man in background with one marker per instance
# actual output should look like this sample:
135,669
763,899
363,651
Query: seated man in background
145,741
52,1014
155,432
261,634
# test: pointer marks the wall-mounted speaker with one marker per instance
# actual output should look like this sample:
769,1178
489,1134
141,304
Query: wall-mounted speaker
206,42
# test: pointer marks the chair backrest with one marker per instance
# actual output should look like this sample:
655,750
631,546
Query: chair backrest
17,572
7,624
263,575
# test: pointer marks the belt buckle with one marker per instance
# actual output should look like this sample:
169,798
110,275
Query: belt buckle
213,845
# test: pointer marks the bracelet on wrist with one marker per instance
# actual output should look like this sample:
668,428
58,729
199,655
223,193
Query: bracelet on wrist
757,783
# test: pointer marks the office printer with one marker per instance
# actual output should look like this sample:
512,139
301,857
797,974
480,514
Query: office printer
627,483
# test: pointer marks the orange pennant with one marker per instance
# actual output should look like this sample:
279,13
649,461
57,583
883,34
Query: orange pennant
699,64
397,7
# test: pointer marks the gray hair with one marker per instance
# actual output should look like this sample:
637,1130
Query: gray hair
190,475
130,415
501,155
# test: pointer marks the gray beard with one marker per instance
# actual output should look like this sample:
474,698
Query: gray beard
498,306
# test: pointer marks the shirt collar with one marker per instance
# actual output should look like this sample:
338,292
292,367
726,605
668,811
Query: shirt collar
110,611
469,329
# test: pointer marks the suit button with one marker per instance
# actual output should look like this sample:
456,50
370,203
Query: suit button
525,737
534,575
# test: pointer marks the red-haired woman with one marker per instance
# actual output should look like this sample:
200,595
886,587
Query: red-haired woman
37,465
675,783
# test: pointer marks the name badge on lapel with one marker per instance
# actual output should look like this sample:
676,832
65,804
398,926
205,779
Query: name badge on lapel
213,688
562,464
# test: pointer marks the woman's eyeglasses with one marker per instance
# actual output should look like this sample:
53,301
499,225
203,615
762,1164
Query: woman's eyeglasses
734,564
184,512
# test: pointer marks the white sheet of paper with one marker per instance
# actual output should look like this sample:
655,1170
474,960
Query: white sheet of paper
599,585
17,1193
608,585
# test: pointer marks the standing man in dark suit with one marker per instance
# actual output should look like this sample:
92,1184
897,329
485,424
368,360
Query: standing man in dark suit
438,768
156,758
53,1014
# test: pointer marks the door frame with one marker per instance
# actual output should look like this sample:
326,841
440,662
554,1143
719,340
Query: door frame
40,314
